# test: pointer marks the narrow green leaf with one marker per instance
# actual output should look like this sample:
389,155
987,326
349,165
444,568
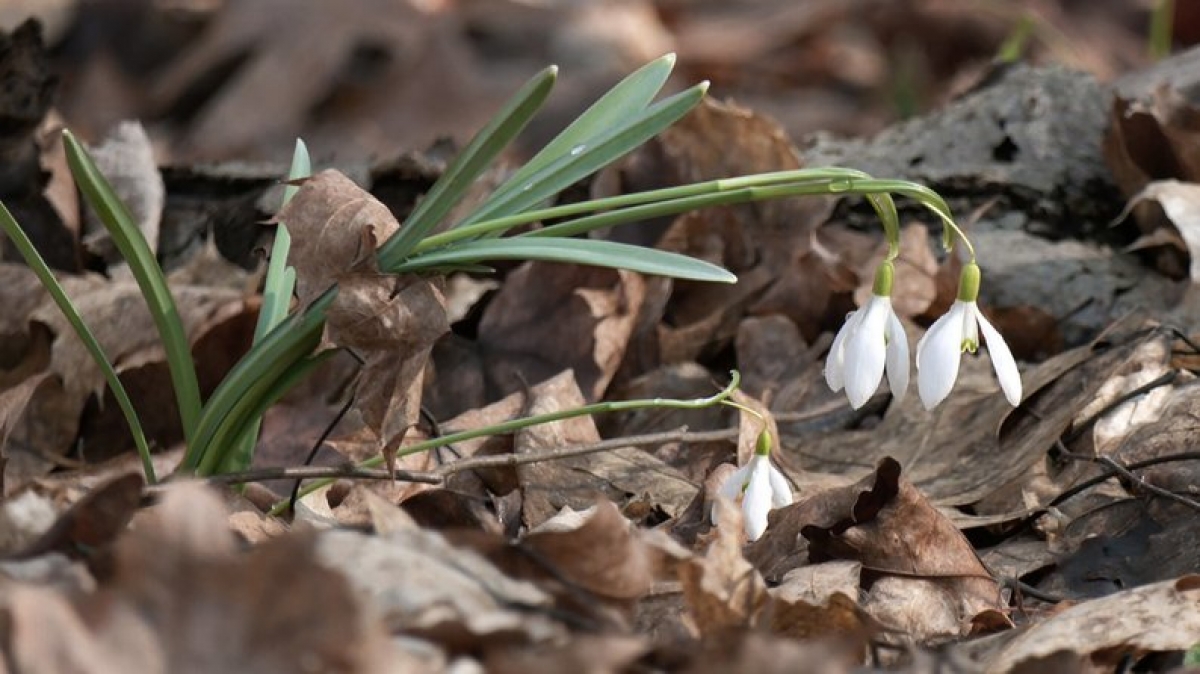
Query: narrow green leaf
584,160
580,251
278,288
242,424
613,110
290,342
42,270
474,159
149,276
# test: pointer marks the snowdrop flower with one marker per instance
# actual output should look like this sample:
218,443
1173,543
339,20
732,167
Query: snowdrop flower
871,340
759,486
940,350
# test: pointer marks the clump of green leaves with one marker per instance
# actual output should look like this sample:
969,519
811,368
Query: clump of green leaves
221,432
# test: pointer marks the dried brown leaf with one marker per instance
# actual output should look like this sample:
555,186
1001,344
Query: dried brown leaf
126,159
180,589
597,550
1154,618
425,586
938,583
722,589
547,318
578,481
93,522
335,227
38,421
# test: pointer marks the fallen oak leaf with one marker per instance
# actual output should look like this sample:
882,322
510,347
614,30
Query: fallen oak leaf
934,579
390,323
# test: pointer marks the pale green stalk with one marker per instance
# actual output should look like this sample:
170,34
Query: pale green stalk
278,288
512,425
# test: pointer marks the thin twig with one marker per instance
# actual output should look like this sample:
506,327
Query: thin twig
312,454
472,463
1117,469
312,472
1079,429
680,434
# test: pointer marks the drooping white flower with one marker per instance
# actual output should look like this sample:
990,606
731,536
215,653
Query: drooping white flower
871,340
759,487
940,349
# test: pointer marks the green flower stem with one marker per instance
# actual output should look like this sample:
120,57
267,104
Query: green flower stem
42,270
633,207
885,208
518,424
142,263
712,187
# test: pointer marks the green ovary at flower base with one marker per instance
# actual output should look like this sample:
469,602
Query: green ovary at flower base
759,487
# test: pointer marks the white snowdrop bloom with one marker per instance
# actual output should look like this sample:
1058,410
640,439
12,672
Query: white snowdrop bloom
760,487
871,340
940,351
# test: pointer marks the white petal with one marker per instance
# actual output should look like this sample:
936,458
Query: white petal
781,491
897,358
938,355
757,503
866,353
834,363
1002,360
733,485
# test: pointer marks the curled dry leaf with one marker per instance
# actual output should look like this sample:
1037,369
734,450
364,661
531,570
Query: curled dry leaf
597,550
1180,204
937,583
336,227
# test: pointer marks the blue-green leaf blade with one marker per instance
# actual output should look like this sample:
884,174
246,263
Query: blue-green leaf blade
629,97
144,266
470,163
591,252
584,160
